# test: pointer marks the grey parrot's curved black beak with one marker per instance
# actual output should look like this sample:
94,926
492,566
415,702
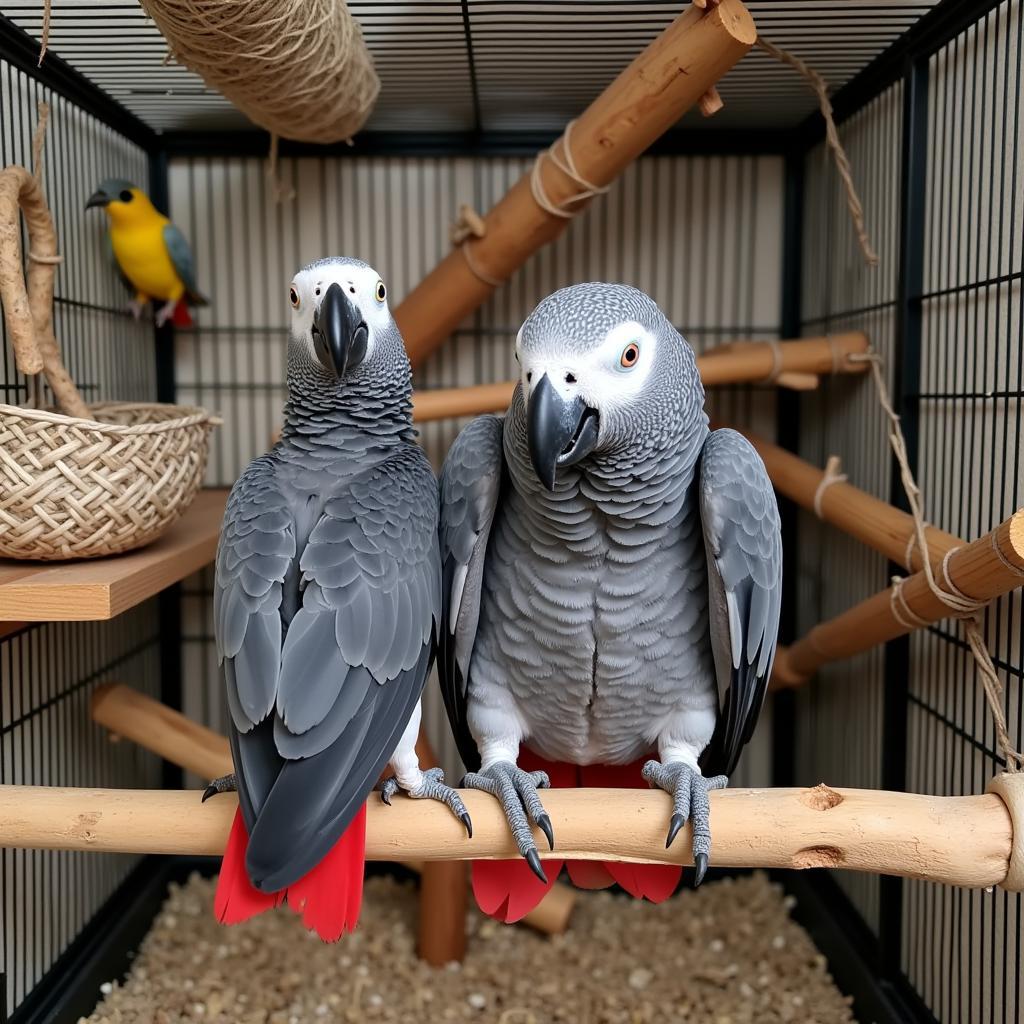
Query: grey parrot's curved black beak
98,198
558,432
340,334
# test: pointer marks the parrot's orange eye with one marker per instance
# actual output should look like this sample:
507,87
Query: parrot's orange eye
630,354
294,296
381,292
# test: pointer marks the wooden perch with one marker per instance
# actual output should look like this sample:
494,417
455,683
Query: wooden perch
170,734
664,81
983,570
875,523
955,840
746,363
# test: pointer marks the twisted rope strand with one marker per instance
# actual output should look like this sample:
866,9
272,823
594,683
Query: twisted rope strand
820,87
963,607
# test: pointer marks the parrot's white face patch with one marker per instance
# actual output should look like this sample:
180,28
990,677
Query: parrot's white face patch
363,287
607,377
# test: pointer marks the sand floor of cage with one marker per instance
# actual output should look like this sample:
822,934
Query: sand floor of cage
724,954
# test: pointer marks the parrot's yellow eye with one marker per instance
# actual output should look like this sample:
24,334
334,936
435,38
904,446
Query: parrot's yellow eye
381,292
293,295
630,354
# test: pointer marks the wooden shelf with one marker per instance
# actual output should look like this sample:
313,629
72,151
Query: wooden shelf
101,588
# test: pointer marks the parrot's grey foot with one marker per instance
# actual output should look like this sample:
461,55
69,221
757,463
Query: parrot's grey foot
135,308
516,791
431,787
225,784
689,790
165,312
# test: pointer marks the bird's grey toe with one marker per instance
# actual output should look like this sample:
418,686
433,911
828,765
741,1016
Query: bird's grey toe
516,791
225,784
689,791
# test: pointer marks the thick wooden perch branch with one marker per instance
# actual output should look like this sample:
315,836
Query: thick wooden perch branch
983,570
956,840
747,362
170,734
648,97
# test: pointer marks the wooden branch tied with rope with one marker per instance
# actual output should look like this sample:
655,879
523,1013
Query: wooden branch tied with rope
969,841
128,714
742,362
664,81
986,569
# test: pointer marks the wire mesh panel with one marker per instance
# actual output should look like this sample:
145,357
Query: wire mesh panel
839,723
701,235
47,673
962,948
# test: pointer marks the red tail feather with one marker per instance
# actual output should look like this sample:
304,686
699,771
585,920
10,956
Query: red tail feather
329,897
181,316
508,889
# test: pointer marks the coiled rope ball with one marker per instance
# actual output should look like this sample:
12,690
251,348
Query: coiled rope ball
298,68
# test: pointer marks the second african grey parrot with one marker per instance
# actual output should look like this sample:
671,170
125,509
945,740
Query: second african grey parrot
326,607
612,579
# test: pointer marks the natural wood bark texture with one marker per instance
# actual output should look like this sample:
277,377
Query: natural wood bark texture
983,570
647,98
133,716
104,587
746,363
29,308
954,840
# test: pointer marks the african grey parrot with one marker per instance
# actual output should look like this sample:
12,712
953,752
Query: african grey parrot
611,578
326,609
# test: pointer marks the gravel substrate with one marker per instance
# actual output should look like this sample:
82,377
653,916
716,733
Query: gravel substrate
725,954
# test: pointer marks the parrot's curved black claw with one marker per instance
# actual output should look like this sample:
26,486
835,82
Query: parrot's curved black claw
385,797
533,859
465,819
700,864
544,824
225,784
674,826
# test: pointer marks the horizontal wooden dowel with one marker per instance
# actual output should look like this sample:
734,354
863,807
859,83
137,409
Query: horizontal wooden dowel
956,840
166,732
170,734
873,522
650,95
982,570
751,362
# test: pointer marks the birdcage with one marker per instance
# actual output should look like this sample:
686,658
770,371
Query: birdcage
514,148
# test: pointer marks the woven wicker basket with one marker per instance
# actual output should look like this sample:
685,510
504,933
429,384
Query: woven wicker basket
91,480
76,488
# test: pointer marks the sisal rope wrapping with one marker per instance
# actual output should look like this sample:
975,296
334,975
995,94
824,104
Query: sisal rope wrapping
298,68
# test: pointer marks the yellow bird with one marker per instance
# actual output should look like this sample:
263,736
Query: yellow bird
152,254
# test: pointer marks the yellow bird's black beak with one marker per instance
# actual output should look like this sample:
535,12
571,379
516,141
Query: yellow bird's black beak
98,198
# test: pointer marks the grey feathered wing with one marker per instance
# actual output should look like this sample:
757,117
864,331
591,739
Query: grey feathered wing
181,258
742,538
319,698
471,482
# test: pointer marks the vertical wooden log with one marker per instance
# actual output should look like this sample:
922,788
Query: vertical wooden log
444,891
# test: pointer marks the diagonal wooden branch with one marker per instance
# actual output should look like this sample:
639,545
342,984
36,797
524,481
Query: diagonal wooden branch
955,840
983,570
664,81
